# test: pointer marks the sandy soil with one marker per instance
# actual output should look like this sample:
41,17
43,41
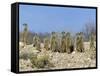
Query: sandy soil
60,60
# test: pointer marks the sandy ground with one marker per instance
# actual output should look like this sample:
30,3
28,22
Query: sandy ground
61,60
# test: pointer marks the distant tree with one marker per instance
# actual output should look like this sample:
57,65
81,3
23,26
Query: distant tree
88,29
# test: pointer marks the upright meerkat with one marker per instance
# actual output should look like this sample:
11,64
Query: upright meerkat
46,43
69,46
63,42
25,33
92,40
53,42
79,42
36,41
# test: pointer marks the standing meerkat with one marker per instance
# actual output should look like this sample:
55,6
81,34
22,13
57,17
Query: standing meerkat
36,42
63,42
25,33
69,46
92,40
79,42
46,43
53,42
